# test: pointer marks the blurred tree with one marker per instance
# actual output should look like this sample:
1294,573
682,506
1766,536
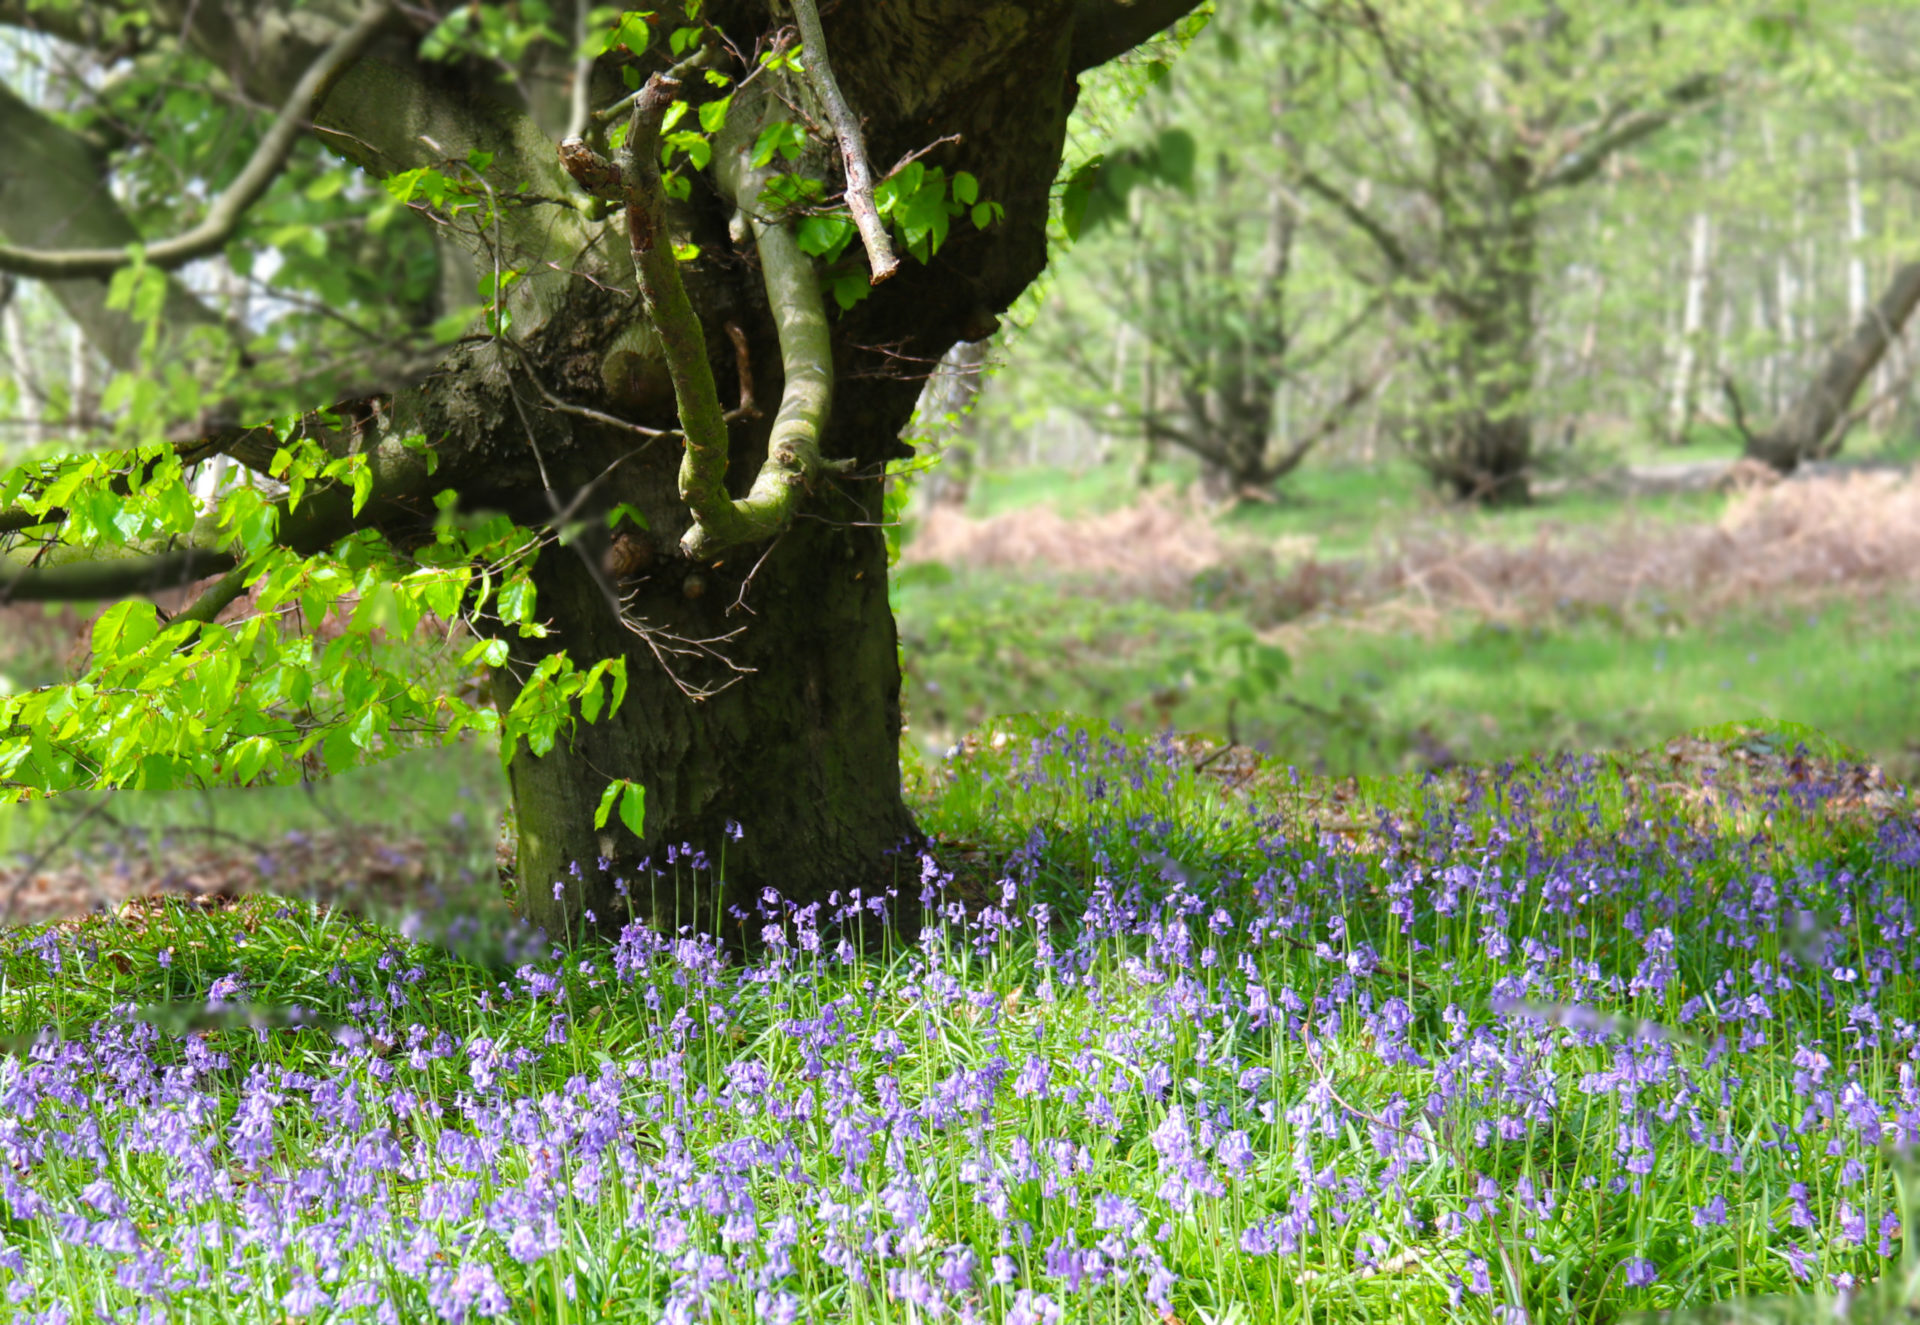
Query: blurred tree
1813,427
681,601
1202,316
1438,134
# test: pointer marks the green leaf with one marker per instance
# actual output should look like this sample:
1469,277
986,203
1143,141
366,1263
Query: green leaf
1173,156
633,809
124,628
362,487
326,186
784,137
607,798
849,288
493,652
824,236
631,30
698,149
515,602
713,115
966,189
368,726
1079,191
626,511
250,757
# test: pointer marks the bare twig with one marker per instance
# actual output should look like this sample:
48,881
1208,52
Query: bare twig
740,599
919,152
853,147
560,406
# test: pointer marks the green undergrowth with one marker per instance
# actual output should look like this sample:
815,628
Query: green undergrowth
1339,697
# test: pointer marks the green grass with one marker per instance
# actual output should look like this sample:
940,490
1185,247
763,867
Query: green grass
1484,693
418,796
1360,699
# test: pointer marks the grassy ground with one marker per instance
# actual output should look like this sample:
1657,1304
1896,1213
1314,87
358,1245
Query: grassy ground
1375,699
1393,680
1190,1037
1557,1046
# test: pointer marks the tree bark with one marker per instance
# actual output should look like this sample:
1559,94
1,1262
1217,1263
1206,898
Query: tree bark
1807,429
788,778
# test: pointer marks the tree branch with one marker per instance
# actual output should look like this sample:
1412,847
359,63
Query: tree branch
1582,160
703,467
1383,239
1357,390
853,146
325,515
227,211
806,358
62,199
1104,29
217,597
120,577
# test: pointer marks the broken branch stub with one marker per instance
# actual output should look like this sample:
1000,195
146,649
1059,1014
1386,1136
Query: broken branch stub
853,145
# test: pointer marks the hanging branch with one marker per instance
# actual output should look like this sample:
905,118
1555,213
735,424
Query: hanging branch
227,211
853,147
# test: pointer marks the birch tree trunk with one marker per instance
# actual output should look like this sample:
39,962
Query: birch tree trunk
1680,395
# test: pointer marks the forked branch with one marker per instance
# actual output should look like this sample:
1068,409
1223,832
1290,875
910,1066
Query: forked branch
793,291
227,211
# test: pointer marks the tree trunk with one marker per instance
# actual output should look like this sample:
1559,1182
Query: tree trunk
1808,428
789,777
761,713
1686,357
1481,444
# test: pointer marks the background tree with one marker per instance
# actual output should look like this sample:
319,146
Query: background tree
1448,131
1209,308
645,470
